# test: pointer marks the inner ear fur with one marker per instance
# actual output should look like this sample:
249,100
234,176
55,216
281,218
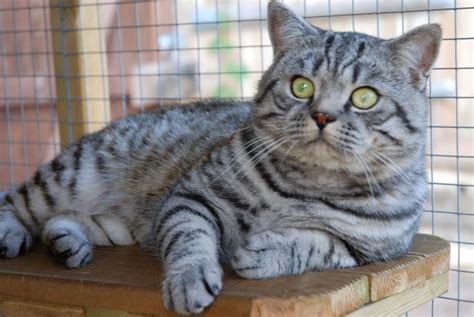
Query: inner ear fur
286,27
419,48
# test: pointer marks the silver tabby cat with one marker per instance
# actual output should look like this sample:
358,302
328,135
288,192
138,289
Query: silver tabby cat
324,169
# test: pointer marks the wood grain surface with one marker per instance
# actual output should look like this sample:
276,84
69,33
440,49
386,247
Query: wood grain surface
128,279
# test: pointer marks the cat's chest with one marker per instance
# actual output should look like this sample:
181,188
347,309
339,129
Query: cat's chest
281,212
309,214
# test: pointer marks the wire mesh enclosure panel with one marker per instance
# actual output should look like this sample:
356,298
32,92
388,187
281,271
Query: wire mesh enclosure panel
152,53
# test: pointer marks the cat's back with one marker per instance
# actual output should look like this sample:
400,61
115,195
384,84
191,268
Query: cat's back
147,152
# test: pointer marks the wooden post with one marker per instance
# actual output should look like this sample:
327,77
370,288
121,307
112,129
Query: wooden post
80,62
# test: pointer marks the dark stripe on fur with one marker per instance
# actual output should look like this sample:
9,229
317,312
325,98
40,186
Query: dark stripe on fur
360,51
380,121
59,237
244,226
77,157
266,176
360,258
208,205
404,117
389,136
57,167
187,236
99,225
277,100
232,197
268,88
86,259
186,209
23,191
78,249
76,166
72,186
308,259
174,238
355,73
184,253
237,168
292,257
269,116
8,199
100,163
327,47
212,290
329,254
161,237
316,65
43,185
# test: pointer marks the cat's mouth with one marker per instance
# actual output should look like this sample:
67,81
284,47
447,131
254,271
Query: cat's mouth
324,138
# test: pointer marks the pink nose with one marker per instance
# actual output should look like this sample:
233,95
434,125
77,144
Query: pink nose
322,119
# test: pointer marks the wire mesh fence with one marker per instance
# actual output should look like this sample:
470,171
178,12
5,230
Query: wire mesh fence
157,52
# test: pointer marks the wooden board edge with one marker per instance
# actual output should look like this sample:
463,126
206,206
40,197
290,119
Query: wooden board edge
401,303
394,279
335,302
347,299
317,306
436,263
435,250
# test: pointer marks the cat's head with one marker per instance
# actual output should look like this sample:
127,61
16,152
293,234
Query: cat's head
341,97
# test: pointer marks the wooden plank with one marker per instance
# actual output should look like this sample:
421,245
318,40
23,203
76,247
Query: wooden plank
80,64
428,257
24,309
312,294
435,251
386,279
274,307
135,281
403,302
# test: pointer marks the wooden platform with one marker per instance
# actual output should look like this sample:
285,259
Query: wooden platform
125,281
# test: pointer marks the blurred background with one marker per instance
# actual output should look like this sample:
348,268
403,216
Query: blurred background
158,52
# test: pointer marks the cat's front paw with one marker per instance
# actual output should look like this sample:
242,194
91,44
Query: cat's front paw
192,287
67,244
14,238
260,256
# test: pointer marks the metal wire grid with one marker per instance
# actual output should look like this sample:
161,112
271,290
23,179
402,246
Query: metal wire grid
225,43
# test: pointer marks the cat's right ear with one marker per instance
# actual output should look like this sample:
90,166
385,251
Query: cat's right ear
286,27
418,48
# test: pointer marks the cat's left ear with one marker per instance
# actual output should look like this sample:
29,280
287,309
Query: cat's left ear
286,27
418,48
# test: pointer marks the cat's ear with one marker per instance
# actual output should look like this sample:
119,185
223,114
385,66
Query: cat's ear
286,27
418,48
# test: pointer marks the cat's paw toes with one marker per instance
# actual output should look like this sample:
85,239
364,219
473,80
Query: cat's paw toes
251,264
69,248
258,257
14,238
192,287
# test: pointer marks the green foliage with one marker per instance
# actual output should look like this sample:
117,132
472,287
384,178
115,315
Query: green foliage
223,46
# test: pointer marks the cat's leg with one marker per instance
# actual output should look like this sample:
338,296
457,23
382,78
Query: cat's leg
67,240
289,251
71,237
188,240
15,230
14,237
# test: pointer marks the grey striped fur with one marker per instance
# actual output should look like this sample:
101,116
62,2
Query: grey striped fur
257,184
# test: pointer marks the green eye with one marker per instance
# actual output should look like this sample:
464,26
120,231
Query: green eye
364,98
302,88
